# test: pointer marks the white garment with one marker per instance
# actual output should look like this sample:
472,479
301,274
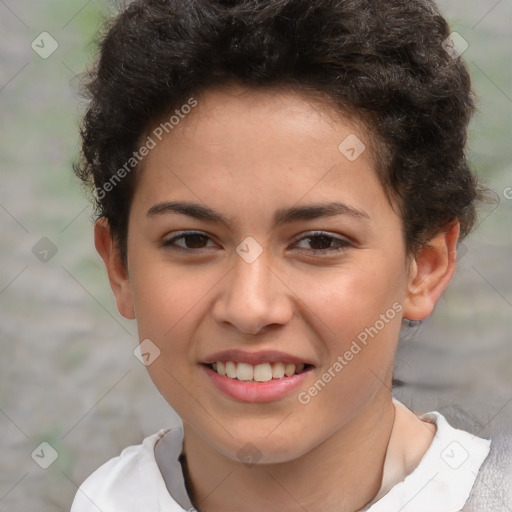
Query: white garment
134,481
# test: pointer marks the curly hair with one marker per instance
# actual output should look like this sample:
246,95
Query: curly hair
385,63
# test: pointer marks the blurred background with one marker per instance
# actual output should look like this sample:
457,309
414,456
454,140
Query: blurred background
72,394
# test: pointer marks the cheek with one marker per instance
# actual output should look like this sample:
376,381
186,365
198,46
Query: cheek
170,303
166,296
358,310
167,302
351,298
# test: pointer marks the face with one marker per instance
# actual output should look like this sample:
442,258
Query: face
284,255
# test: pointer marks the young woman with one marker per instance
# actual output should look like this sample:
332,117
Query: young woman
279,184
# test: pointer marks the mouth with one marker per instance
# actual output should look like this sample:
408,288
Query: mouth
263,372
256,377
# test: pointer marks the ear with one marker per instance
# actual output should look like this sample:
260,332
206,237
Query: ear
117,274
431,271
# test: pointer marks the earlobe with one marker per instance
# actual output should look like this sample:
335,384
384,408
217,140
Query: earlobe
117,275
430,273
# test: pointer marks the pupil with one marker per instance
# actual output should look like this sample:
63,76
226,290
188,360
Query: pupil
196,241
315,239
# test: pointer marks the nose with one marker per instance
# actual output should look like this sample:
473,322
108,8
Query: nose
253,297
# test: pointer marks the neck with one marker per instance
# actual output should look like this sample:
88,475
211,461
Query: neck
341,474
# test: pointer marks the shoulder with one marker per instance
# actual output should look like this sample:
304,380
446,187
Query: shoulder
129,482
492,489
445,476
493,486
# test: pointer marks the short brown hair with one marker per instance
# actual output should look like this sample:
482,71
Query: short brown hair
384,60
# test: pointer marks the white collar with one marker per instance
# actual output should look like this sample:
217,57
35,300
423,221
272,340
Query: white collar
443,479
149,477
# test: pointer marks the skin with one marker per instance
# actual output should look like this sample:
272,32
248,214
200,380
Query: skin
236,153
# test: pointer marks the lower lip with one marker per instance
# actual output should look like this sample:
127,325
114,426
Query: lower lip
247,391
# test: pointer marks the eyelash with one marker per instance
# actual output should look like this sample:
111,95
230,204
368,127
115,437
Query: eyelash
343,243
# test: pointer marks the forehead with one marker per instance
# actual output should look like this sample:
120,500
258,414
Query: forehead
262,146
227,111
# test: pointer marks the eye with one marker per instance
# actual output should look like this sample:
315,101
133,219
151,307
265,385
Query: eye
323,243
196,242
192,241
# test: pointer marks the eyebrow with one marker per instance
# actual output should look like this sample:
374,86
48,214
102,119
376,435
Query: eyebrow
282,216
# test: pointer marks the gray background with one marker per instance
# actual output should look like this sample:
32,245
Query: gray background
68,376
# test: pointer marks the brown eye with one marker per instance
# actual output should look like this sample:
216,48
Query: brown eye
189,241
324,243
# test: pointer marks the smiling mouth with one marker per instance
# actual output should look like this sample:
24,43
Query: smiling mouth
263,372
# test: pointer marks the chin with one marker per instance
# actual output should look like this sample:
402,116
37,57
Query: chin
260,449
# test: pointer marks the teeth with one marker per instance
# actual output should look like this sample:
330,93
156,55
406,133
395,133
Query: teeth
220,368
231,370
278,371
260,373
289,369
244,371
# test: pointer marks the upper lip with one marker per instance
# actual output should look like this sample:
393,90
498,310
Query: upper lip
254,358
